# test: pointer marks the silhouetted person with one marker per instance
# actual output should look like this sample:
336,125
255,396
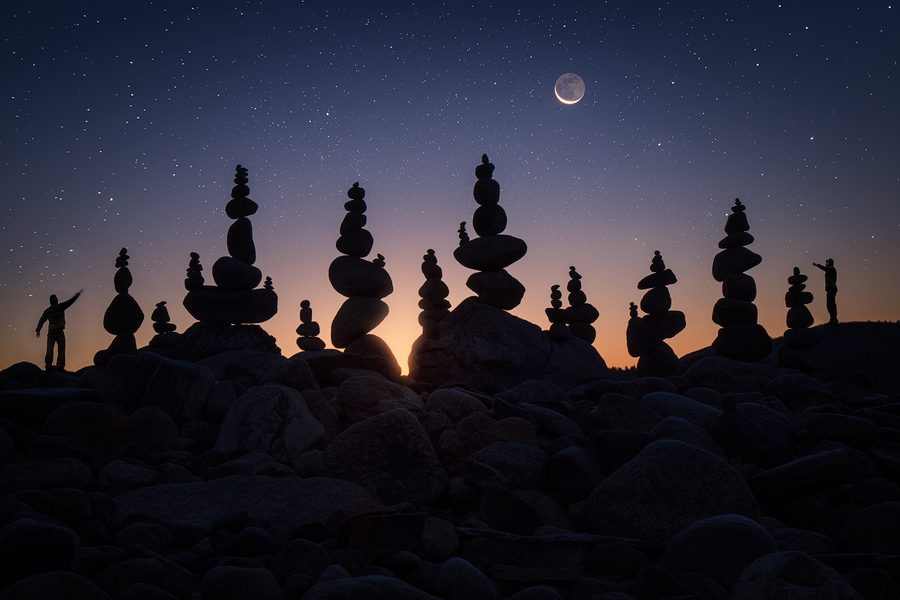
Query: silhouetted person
55,315
830,289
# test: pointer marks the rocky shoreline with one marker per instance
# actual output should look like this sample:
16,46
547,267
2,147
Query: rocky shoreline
226,470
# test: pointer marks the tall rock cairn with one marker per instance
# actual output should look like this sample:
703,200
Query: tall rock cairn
556,314
740,337
308,330
645,335
363,282
123,317
799,350
164,328
580,314
233,299
491,252
428,357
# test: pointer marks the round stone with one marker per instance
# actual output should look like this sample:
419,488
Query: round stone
489,219
497,288
657,300
661,279
734,260
353,276
799,317
240,241
492,252
730,312
739,286
355,243
486,191
357,316
232,274
240,207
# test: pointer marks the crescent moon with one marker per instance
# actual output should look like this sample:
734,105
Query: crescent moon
569,88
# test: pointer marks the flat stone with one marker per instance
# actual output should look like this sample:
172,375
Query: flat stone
352,276
734,260
491,252
357,316
231,274
497,288
209,304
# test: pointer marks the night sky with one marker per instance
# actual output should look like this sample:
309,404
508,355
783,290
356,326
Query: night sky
122,124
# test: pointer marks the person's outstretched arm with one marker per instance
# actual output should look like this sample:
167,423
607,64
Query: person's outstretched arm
70,301
41,323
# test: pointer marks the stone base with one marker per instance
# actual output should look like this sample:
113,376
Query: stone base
659,361
210,304
480,343
124,343
809,360
743,342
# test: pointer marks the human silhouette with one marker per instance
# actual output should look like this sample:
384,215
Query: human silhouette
55,315
830,289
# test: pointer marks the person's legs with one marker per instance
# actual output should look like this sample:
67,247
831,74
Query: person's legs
61,350
48,358
831,303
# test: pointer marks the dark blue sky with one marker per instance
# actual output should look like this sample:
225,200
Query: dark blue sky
122,124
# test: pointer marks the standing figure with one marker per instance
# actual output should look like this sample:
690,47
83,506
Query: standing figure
830,289
55,315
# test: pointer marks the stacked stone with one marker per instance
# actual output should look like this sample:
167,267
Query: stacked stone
364,284
491,252
123,317
740,337
233,299
645,335
799,350
556,314
580,314
433,294
428,354
308,330
165,330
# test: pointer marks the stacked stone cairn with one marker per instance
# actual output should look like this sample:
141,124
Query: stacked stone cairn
123,317
580,314
556,314
233,299
799,350
165,330
491,252
740,337
428,352
433,294
363,282
645,335
308,330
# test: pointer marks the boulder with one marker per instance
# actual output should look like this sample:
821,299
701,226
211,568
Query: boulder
757,434
371,587
455,403
57,584
618,411
102,425
523,466
240,583
675,428
667,486
272,419
390,455
29,547
301,501
460,580
802,475
791,576
721,547
667,404
359,397
42,473
875,528
179,388
726,375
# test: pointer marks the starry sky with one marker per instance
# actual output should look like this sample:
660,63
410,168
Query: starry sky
122,124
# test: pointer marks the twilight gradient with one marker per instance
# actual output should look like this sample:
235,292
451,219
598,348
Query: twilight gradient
122,124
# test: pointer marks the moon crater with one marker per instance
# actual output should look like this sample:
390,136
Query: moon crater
569,88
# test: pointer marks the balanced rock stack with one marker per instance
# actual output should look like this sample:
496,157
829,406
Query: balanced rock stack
740,337
491,252
165,330
428,352
799,350
233,299
308,330
433,294
645,335
556,314
580,314
123,317
364,283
